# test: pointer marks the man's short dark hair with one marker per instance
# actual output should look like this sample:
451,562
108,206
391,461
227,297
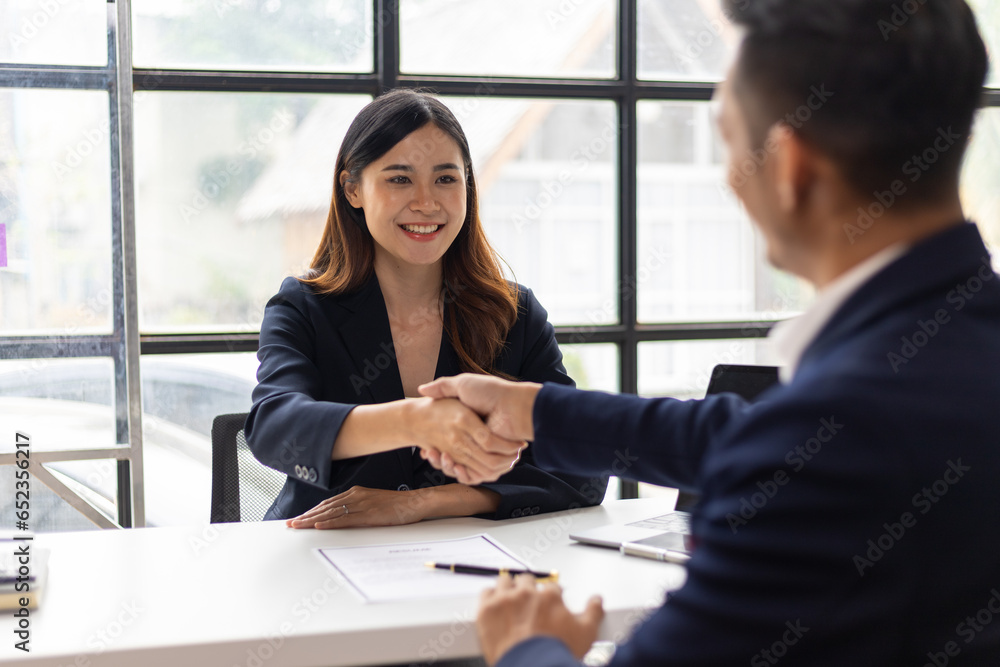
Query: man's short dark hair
872,84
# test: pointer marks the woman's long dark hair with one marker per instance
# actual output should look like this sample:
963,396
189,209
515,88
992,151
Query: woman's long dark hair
483,304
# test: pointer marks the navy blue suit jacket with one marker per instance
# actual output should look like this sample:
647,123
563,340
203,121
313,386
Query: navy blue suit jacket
848,518
320,356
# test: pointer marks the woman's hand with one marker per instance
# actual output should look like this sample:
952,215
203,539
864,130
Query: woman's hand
361,506
449,428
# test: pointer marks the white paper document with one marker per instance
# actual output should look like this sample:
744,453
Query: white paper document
390,572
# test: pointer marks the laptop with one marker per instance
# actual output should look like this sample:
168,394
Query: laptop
666,537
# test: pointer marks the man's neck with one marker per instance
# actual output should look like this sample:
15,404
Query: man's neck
851,239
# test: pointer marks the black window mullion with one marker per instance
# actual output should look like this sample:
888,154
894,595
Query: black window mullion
627,214
387,43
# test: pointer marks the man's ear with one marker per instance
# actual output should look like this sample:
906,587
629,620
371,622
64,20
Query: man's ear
351,190
795,167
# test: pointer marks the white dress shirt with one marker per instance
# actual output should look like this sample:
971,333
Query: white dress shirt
791,337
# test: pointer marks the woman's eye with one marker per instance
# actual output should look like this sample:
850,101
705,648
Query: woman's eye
399,180
448,179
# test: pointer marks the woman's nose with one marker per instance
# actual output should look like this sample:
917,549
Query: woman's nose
424,200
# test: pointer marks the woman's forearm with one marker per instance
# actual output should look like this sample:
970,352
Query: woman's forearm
458,500
371,429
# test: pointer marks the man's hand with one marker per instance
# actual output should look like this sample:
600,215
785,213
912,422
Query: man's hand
518,609
456,434
506,406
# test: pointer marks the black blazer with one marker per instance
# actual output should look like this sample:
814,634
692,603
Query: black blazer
320,356
847,518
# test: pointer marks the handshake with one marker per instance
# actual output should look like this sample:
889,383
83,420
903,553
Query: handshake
475,426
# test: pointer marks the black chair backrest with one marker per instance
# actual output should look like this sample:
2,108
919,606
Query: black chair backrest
242,488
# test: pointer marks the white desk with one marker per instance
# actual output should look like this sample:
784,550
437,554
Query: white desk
256,595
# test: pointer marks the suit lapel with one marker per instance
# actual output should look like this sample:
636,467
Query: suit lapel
367,337
368,340
447,362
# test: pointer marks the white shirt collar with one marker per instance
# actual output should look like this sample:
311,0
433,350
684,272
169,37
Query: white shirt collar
792,337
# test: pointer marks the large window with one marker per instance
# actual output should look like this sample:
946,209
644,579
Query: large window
164,164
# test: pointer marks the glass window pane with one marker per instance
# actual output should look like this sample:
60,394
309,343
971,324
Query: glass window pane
232,192
533,38
181,395
688,40
273,35
62,404
546,175
54,32
592,366
683,369
980,192
988,17
700,258
55,202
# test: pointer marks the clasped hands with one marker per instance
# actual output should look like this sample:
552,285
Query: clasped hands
490,423
516,609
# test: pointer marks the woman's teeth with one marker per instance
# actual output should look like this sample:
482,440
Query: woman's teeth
422,229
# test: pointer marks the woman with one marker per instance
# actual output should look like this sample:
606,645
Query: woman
404,288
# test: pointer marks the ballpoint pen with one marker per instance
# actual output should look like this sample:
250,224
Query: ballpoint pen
552,576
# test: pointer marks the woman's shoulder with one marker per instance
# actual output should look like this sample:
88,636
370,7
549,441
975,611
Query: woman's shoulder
527,302
531,314
293,290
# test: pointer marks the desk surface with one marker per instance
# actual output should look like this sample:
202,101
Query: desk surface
256,594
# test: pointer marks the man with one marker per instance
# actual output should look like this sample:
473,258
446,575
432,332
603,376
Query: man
849,517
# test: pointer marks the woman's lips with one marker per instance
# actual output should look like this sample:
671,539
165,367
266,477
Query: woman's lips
423,232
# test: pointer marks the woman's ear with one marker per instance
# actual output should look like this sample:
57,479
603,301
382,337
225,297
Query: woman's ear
350,189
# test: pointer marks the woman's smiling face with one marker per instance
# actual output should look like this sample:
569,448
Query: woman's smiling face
414,197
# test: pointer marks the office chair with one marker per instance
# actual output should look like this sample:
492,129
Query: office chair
242,488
